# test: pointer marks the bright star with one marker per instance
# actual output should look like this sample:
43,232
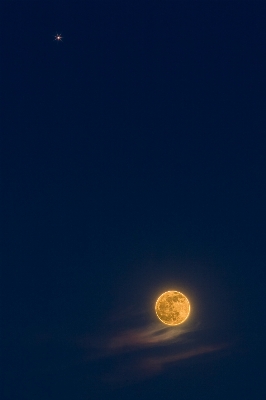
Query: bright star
58,37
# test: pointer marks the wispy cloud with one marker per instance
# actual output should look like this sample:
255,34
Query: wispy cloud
147,366
130,347
137,353
157,363
153,335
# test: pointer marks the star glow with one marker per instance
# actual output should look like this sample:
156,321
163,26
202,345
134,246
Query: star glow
58,37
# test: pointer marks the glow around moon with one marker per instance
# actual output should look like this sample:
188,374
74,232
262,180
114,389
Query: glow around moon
172,308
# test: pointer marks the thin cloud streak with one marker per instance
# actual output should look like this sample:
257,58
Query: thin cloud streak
159,362
153,335
140,353
135,339
126,352
148,366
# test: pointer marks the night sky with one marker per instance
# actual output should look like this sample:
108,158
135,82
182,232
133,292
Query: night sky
133,162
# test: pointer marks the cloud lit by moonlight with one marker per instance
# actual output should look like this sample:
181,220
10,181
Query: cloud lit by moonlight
137,353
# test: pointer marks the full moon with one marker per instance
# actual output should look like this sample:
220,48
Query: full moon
172,308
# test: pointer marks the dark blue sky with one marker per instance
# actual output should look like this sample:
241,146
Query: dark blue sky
133,162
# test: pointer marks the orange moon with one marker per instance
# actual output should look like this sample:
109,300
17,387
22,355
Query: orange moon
172,308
